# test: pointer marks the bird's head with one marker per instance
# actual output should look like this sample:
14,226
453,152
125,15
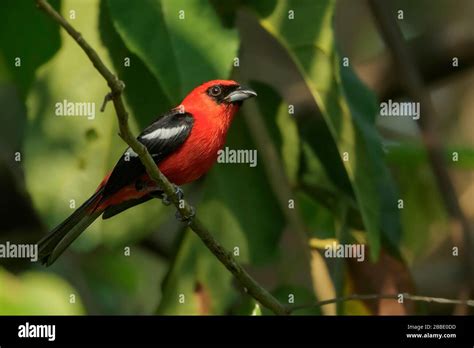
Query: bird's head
218,98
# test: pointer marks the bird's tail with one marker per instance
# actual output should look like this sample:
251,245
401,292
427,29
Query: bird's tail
53,245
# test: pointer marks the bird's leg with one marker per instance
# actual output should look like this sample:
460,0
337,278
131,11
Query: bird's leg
179,193
186,219
165,200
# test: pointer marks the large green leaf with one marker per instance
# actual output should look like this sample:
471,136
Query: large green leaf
143,94
314,54
363,107
181,41
67,157
281,128
33,46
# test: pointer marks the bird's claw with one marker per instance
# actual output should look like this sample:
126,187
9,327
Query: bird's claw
179,193
187,219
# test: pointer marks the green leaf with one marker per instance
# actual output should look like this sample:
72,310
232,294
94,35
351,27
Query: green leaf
22,51
34,46
35,293
319,220
66,157
315,182
313,52
144,96
281,127
182,42
363,106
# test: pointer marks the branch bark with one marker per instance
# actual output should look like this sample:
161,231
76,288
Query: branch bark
116,86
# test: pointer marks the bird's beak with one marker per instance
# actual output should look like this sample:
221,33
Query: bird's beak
240,94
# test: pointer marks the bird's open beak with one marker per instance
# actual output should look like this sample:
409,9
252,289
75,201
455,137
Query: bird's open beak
240,94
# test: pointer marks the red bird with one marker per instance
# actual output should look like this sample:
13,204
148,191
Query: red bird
184,144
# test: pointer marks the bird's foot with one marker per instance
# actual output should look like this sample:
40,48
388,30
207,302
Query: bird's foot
187,219
179,193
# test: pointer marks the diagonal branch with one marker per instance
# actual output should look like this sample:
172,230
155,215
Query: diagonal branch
253,288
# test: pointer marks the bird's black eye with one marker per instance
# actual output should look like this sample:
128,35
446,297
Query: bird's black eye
215,91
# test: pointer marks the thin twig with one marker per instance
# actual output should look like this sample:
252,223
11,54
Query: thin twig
253,288
398,297
108,97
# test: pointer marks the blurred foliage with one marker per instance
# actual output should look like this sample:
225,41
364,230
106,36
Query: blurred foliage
162,49
37,293
314,53
124,284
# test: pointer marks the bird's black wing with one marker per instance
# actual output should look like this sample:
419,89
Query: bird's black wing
161,138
